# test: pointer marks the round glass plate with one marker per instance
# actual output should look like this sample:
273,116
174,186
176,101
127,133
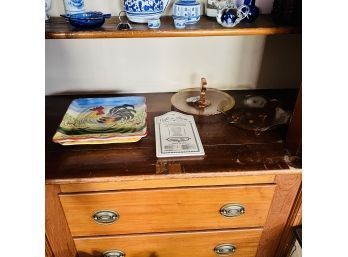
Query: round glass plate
219,101
258,114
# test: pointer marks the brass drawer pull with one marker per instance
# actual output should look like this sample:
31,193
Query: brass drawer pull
225,249
232,210
114,253
105,217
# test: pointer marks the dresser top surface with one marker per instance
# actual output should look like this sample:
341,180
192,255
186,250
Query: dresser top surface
227,148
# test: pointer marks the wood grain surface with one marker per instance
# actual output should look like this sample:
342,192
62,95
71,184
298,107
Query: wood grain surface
163,210
168,182
228,148
59,28
294,135
57,232
48,248
295,219
277,220
188,244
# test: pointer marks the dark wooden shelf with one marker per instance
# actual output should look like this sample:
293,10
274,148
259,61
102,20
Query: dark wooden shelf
59,28
227,148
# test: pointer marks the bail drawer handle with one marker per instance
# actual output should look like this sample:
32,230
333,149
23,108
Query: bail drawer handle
225,249
105,217
114,253
232,210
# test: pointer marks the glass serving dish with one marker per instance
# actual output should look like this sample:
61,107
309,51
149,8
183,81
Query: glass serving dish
86,20
258,114
202,101
103,121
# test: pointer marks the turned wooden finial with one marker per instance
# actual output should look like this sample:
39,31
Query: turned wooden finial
202,102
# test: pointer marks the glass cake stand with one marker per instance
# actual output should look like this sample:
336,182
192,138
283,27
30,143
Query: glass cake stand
202,101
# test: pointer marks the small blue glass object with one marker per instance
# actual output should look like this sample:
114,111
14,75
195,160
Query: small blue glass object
87,20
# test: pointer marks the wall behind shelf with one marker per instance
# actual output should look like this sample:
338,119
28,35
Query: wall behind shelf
115,6
170,64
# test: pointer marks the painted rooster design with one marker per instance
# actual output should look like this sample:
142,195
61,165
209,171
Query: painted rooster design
123,112
99,110
97,119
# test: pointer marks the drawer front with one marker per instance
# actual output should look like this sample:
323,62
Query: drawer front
166,210
202,244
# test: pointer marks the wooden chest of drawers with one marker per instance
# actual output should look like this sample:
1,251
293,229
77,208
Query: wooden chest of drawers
164,210
116,201
203,244
182,221
208,213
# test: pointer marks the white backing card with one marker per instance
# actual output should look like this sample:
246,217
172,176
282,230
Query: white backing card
177,135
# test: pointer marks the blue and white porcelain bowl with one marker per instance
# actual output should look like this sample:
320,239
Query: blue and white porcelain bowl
188,9
141,11
154,23
179,23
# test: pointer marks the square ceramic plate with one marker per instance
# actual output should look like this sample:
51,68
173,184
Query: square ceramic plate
103,121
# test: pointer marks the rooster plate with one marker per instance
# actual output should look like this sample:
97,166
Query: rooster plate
103,121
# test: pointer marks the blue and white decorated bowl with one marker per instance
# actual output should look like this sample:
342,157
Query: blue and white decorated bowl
154,23
179,22
141,11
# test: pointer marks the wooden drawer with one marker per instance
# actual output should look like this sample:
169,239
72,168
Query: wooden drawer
188,244
165,210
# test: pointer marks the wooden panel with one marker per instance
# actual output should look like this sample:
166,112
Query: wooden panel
167,209
200,244
277,220
48,249
57,231
298,217
163,182
288,238
294,135
58,28
109,165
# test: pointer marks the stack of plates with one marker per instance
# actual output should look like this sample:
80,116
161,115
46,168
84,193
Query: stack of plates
103,121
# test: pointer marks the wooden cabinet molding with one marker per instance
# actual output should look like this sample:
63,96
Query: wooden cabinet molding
48,248
294,220
171,181
294,135
57,232
272,242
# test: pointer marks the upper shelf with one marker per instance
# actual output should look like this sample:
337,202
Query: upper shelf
59,28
